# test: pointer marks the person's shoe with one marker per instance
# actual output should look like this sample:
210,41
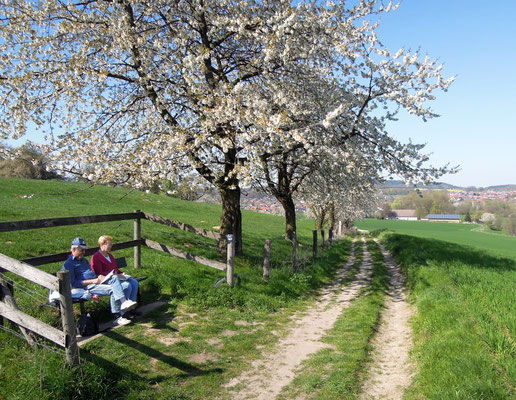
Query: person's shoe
95,298
127,305
121,321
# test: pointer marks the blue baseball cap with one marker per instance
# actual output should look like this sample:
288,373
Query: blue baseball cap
79,242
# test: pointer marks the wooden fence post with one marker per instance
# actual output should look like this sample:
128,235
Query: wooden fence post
267,259
322,240
67,317
294,253
314,235
230,260
10,287
340,229
1,298
137,235
8,298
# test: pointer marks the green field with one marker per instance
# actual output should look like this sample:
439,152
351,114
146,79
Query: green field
158,357
463,234
461,282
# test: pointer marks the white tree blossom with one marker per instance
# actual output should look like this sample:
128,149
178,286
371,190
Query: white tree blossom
129,91
341,187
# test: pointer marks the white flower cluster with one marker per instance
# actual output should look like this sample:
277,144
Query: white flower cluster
239,91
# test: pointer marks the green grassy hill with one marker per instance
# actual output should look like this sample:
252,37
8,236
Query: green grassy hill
27,199
186,287
463,234
461,283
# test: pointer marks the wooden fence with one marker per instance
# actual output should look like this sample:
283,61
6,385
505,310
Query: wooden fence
28,325
331,237
26,269
137,241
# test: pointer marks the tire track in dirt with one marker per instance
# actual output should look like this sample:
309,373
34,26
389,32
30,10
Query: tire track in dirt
267,376
391,371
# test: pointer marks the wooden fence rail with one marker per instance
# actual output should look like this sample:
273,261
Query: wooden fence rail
182,254
9,309
182,226
52,258
27,271
55,222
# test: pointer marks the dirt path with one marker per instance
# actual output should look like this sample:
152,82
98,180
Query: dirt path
266,377
391,371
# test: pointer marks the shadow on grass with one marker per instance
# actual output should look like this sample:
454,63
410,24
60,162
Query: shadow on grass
188,369
415,250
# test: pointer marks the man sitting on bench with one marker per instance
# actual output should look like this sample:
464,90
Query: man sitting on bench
83,277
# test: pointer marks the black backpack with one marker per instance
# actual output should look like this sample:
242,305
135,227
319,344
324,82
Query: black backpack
87,326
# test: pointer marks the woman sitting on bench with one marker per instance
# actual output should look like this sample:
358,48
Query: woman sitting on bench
103,263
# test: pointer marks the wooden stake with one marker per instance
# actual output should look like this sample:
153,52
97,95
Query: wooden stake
67,317
267,259
137,236
230,261
314,235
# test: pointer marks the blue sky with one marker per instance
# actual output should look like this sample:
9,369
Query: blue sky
476,42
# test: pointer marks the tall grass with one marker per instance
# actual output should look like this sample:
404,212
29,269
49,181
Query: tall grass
466,320
132,362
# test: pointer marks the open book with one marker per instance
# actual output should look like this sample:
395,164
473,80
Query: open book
121,276
106,278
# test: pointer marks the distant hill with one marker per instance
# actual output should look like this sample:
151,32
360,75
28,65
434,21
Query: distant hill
398,184
502,187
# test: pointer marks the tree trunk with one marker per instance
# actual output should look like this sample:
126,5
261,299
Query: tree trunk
228,187
331,216
290,216
231,219
320,216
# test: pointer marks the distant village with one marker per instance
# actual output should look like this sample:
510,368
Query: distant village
492,206
266,204
255,201
458,195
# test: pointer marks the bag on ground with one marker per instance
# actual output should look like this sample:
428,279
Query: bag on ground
87,326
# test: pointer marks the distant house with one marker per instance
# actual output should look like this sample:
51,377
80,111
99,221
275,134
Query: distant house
407,215
444,217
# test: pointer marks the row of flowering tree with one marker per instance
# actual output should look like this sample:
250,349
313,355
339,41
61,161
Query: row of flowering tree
242,92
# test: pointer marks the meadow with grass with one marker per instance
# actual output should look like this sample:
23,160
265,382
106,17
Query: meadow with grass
187,349
463,292
463,284
474,235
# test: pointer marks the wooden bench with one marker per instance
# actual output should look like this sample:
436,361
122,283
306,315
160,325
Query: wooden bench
120,263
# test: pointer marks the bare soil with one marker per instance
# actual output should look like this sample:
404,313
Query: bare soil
266,377
391,371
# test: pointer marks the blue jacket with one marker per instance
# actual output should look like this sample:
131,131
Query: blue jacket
80,270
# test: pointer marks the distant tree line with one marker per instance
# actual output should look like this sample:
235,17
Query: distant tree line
26,161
